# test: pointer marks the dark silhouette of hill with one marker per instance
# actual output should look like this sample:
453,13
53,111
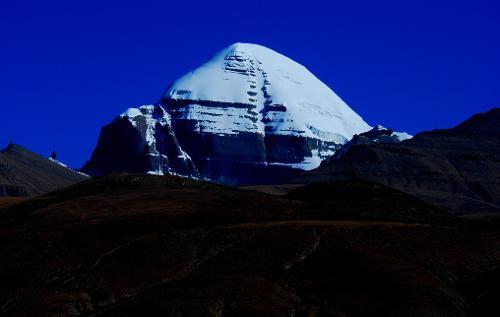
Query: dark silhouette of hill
457,169
142,245
24,173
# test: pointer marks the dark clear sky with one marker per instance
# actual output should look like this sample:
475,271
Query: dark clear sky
68,67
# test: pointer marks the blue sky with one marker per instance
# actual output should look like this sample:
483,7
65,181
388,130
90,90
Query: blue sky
68,67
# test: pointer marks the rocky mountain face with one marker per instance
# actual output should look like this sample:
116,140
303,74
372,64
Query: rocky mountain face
24,173
248,115
457,168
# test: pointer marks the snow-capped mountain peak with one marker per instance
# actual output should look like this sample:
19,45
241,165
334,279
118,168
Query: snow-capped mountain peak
286,98
247,115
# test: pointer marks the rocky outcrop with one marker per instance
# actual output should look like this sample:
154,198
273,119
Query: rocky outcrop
140,140
143,141
457,168
377,135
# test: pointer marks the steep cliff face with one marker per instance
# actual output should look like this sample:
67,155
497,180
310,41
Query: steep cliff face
457,168
248,115
140,140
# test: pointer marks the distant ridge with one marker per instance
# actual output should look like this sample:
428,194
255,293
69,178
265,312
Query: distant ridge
457,168
24,173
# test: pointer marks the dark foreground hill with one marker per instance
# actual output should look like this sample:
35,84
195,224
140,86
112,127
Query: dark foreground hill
137,245
458,168
24,173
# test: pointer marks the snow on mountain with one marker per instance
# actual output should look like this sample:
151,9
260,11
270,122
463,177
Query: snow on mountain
57,162
286,98
66,166
378,134
401,136
383,131
247,115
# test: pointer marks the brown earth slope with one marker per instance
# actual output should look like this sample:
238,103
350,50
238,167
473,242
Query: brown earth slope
136,245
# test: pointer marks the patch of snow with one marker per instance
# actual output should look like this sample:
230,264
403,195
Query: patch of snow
58,162
131,113
151,118
401,136
380,127
159,173
66,166
309,162
83,174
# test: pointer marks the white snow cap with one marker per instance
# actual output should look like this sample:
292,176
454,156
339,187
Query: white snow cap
287,98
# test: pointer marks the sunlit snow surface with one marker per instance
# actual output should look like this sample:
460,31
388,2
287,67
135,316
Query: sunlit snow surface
401,136
284,98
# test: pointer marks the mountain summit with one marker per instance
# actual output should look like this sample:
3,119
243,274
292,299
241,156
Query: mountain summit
247,115
285,98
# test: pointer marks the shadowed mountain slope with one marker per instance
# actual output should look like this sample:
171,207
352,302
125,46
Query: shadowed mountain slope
24,173
457,168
